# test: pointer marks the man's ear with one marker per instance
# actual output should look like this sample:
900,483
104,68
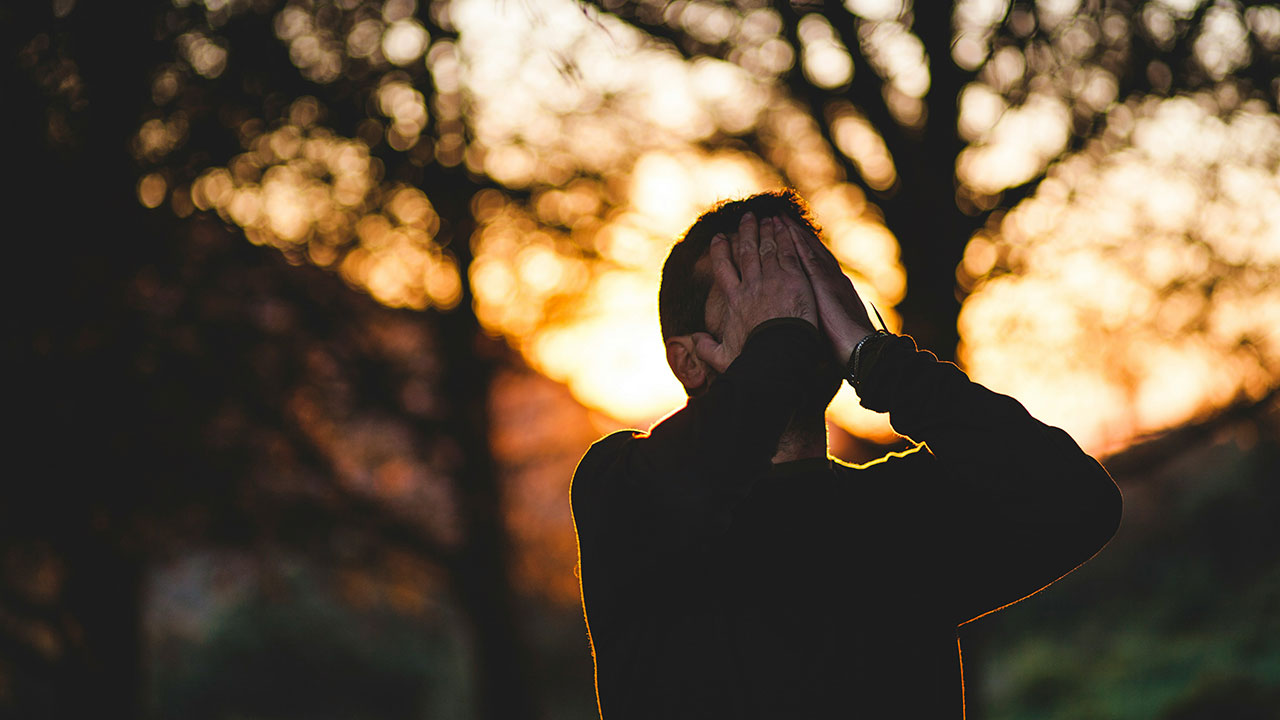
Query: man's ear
690,369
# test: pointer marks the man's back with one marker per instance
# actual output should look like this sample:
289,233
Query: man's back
811,605
719,585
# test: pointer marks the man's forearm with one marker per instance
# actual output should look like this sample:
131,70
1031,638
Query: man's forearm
1022,504
986,440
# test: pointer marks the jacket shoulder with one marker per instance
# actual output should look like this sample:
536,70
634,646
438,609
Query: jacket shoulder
599,456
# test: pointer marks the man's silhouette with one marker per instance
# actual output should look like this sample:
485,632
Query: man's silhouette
730,569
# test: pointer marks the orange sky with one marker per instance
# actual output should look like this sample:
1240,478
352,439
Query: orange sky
1087,301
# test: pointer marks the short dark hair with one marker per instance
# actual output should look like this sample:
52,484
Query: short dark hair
682,296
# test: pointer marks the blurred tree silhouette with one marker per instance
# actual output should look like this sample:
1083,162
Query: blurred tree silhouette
513,168
972,100
1142,237
178,385
1177,618
371,137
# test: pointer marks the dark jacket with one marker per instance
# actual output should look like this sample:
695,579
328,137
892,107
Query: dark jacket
718,585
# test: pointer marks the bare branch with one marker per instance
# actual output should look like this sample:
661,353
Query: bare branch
817,100
1145,457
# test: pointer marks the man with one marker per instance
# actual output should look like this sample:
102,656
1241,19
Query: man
730,569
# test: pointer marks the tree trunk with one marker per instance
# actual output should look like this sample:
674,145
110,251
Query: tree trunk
481,571
105,596
932,231
79,234
932,242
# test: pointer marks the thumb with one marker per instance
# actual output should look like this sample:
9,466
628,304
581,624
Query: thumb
712,353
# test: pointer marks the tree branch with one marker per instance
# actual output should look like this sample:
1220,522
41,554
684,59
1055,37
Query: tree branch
946,81
658,30
1146,456
816,99
866,89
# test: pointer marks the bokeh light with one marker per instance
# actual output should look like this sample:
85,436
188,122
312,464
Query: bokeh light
599,134
826,59
317,196
1137,288
578,293
600,128
483,192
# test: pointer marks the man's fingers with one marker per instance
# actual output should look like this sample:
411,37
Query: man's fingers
803,250
818,255
746,248
722,269
768,241
788,250
711,352
809,259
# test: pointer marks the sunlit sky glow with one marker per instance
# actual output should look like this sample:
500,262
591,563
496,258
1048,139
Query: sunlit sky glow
606,346
1087,300
1094,304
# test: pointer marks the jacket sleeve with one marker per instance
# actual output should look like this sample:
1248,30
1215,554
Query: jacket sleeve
652,498
1019,503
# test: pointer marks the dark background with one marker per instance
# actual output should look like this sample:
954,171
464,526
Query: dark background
239,486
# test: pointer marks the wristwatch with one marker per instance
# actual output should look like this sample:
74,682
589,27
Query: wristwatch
854,366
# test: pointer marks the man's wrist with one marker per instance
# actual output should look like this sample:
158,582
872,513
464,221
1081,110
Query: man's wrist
857,360
845,344
784,321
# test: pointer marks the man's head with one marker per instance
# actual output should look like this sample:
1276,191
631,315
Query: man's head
687,280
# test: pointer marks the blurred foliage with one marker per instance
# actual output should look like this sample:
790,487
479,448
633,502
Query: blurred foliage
1144,263
298,651
1177,618
200,185
580,137
1090,180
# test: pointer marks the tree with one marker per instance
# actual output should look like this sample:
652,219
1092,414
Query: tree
948,117
179,389
514,170
946,88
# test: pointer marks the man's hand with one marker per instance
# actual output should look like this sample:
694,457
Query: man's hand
762,280
844,317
